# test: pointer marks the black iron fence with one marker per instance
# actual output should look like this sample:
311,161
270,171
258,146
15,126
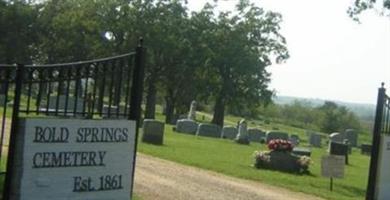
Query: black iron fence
381,126
96,89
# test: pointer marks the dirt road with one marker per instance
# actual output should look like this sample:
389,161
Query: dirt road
160,179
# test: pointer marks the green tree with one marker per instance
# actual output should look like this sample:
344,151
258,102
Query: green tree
69,31
17,31
337,118
239,47
359,6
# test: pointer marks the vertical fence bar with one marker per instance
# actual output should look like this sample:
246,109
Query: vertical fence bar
370,194
14,131
60,85
128,83
102,90
118,90
386,125
67,91
111,87
40,88
4,116
30,82
48,90
77,91
86,98
95,84
136,98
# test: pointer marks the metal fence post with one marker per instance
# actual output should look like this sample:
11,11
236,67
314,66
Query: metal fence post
136,97
14,131
372,177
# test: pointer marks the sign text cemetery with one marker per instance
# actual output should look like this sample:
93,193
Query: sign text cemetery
74,159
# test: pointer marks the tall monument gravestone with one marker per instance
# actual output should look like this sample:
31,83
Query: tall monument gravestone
60,159
242,136
192,113
188,125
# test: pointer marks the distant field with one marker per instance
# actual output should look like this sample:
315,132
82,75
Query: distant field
229,158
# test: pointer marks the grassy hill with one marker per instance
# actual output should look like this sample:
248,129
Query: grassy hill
363,111
227,157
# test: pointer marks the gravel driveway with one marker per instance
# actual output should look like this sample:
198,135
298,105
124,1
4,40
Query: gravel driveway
161,179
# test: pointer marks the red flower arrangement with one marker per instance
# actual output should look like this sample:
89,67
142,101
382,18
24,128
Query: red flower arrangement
280,145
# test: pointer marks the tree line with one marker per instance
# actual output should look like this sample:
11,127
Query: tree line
219,58
328,118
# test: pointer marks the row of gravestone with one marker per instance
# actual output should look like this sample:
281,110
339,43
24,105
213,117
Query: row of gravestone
349,134
229,132
71,104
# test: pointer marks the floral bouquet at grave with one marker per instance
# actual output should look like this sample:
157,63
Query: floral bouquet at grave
304,163
262,159
280,158
280,145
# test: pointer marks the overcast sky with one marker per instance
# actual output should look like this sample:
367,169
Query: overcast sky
332,57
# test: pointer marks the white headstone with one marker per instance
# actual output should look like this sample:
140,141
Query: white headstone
337,137
242,136
192,113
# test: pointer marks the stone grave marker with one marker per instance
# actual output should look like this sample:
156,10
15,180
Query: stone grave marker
294,139
315,140
113,112
192,113
209,130
229,132
352,137
332,166
366,149
339,149
242,136
276,135
62,103
153,132
301,151
337,137
186,126
57,159
256,135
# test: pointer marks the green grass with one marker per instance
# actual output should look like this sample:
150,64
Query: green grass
236,160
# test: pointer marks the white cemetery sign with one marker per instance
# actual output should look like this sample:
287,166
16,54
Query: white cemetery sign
58,159
383,180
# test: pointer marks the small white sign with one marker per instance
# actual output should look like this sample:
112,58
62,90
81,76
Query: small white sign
58,159
332,166
383,176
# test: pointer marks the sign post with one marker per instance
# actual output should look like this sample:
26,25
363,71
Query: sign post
60,159
332,166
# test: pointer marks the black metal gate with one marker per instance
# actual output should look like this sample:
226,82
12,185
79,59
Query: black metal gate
102,88
381,126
